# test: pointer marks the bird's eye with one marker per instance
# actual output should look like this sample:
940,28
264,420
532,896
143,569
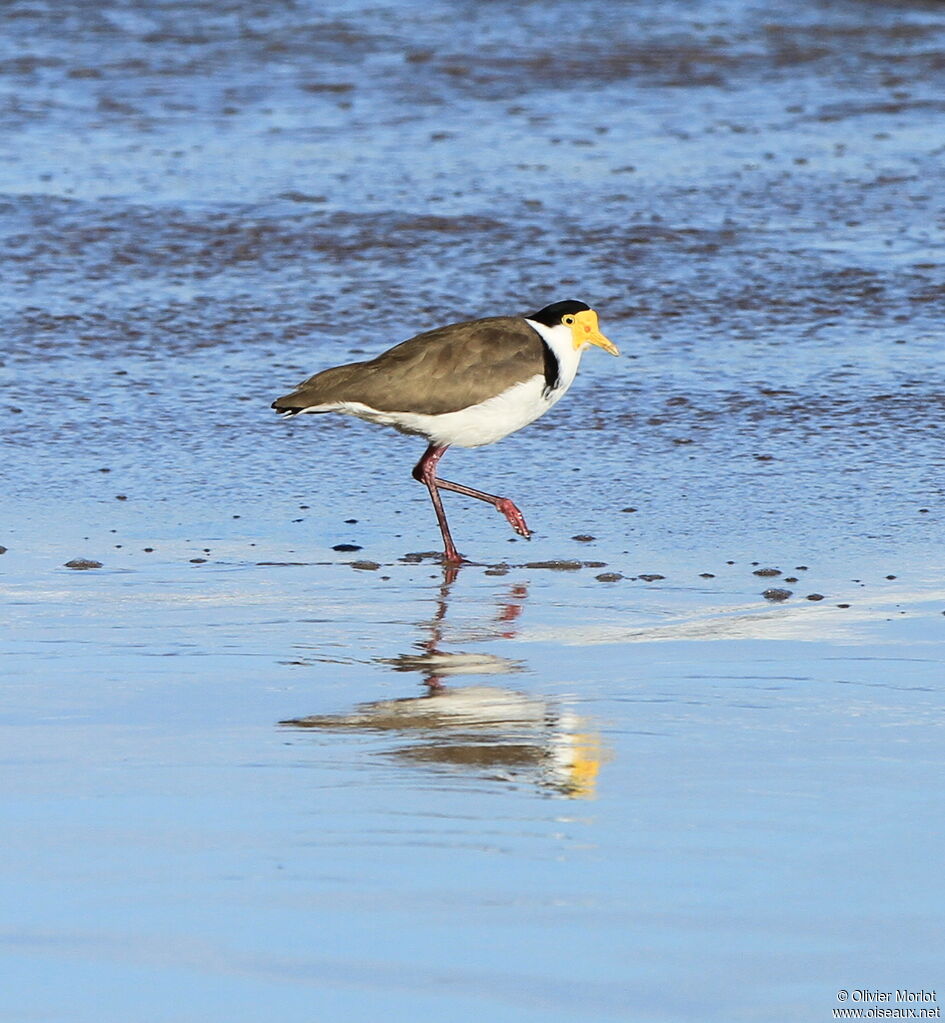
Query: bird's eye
569,320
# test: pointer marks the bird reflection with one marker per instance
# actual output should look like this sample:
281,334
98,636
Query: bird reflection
493,732
436,664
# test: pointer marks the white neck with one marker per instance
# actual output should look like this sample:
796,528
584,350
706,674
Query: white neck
569,358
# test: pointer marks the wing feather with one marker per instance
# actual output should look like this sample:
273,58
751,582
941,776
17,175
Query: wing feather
439,371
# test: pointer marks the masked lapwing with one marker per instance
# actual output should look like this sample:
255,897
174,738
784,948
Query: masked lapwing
467,384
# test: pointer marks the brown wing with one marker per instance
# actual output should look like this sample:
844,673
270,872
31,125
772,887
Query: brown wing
442,370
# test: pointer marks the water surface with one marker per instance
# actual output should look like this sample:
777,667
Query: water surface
597,775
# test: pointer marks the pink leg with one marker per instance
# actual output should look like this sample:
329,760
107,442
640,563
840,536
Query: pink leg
425,472
515,518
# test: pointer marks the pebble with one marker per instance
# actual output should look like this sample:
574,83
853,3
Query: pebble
767,571
80,564
651,577
609,577
776,594
346,547
557,566
366,566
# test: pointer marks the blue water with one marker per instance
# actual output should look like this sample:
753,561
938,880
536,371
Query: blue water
597,775
757,826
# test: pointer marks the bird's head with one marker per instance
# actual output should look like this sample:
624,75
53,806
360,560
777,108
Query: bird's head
580,319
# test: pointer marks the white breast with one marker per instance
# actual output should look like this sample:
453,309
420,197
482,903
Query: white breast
490,420
470,427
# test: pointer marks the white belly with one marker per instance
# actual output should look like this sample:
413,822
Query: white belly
474,426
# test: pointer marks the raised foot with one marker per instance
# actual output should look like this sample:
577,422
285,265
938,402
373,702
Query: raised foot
515,518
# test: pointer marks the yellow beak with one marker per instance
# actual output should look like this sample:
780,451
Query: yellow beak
585,331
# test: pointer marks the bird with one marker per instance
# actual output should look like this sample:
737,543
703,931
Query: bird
465,384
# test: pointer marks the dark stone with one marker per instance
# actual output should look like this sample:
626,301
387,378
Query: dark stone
557,566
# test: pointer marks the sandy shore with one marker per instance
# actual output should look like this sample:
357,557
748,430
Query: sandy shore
675,759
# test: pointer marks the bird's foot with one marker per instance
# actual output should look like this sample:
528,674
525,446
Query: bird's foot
452,558
514,517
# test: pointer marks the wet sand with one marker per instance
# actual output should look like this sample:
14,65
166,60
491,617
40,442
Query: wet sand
676,757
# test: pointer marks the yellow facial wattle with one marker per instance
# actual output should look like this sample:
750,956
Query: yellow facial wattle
585,331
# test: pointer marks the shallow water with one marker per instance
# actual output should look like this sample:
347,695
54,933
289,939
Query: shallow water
597,775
